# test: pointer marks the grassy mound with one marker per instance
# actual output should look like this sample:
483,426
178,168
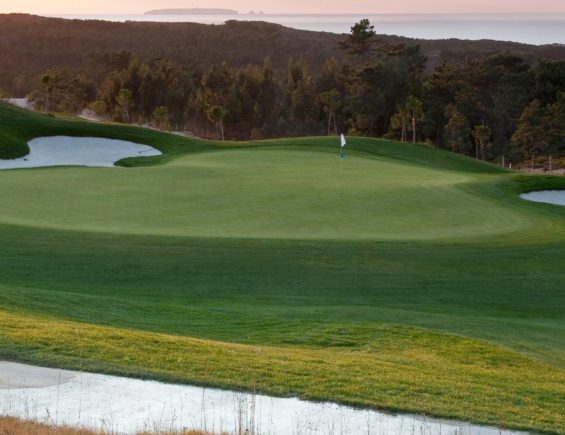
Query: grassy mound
402,277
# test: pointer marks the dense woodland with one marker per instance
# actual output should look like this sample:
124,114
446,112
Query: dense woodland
258,80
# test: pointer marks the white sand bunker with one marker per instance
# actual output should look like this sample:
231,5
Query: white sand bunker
23,376
556,197
22,103
123,405
77,151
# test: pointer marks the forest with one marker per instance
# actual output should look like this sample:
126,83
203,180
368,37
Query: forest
501,103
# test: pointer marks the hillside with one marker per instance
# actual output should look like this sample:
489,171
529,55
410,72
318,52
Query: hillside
30,44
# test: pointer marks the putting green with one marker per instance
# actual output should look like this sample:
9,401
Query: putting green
259,193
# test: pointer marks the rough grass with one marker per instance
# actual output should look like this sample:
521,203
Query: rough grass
16,426
400,368
122,271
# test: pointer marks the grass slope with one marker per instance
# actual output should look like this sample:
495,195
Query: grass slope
402,277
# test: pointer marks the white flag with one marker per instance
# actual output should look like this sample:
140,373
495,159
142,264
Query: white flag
343,143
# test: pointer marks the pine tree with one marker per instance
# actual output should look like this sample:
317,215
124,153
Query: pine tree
533,134
361,39
482,135
331,101
415,110
162,118
457,131
216,115
124,101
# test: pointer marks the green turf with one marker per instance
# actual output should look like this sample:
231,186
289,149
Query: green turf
260,193
376,263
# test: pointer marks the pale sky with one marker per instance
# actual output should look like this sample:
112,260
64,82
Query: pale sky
284,6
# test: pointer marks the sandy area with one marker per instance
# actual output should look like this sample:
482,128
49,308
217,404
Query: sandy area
22,103
556,197
124,405
13,375
77,151
90,115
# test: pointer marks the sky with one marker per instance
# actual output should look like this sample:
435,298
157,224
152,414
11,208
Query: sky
288,6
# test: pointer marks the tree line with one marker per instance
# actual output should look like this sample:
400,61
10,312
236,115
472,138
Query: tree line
489,107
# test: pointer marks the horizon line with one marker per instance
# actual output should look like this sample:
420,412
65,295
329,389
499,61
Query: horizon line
259,13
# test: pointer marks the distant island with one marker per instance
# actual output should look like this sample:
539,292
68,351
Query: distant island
193,11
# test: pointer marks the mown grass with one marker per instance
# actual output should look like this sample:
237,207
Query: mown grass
291,292
239,268
262,194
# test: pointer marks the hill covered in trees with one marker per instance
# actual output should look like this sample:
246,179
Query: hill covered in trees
31,44
487,99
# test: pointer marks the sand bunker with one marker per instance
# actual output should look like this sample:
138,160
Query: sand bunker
22,103
126,405
77,151
14,375
556,197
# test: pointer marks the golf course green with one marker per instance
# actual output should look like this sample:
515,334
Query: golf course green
402,277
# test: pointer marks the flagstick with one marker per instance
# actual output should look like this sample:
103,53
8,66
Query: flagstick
342,144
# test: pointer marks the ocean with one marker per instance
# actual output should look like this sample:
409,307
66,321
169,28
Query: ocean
535,29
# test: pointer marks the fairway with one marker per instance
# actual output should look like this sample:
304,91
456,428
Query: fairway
401,278
261,194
